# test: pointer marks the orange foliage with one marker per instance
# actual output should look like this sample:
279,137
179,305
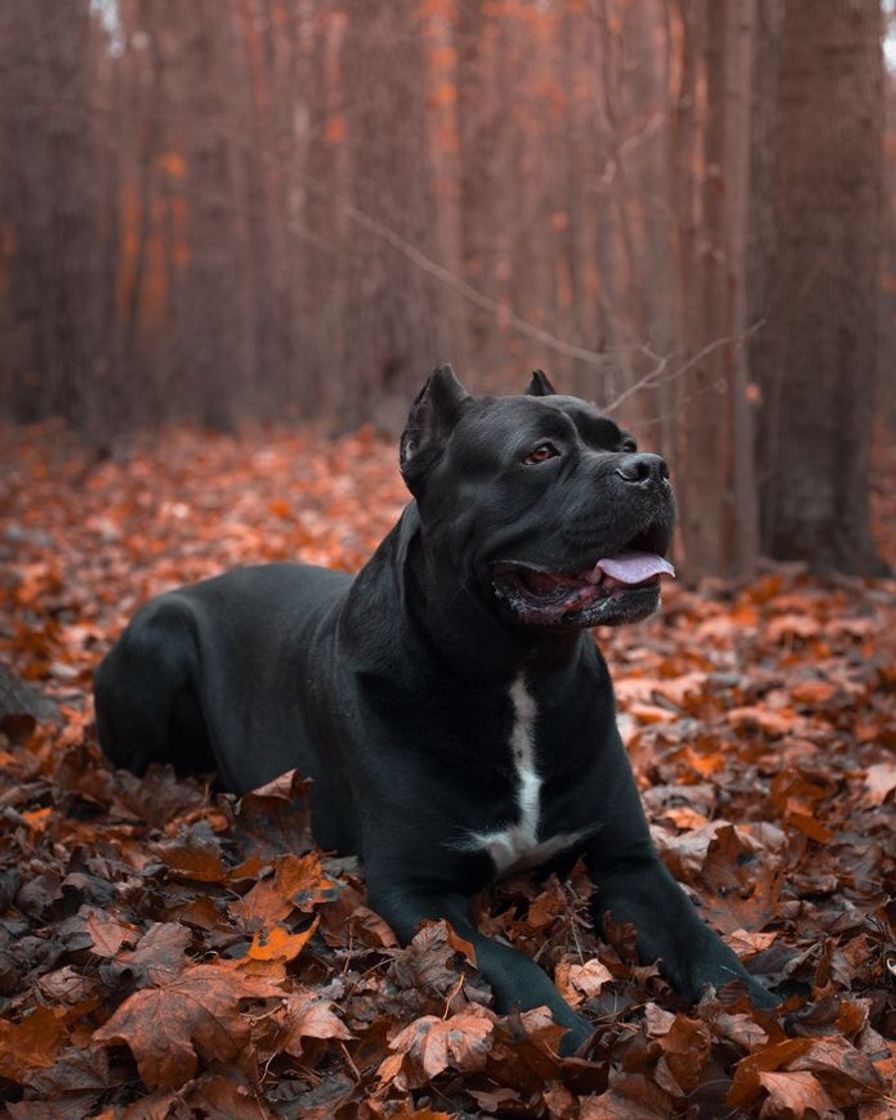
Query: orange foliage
170,952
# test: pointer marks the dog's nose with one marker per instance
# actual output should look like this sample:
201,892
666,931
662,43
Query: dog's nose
643,468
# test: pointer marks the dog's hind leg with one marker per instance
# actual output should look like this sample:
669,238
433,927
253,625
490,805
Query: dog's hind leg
146,706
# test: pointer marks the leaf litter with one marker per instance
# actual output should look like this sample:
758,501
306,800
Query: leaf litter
168,952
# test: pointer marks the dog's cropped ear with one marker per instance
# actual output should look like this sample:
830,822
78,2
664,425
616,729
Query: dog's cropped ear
539,386
431,421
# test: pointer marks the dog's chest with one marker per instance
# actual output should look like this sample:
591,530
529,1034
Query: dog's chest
516,846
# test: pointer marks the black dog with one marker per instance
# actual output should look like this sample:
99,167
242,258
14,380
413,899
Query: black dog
454,713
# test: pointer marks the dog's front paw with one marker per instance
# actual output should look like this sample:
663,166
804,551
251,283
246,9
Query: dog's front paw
759,995
575,1042
718,970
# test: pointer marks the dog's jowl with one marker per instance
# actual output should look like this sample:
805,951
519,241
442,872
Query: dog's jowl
448,702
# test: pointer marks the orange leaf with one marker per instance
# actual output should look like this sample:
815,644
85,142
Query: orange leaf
195,1015
298,882
310,1016
795,1094
31,1044
278,944
38,819
430,1045
810,826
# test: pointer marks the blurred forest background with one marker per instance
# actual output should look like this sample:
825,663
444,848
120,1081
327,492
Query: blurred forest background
219,212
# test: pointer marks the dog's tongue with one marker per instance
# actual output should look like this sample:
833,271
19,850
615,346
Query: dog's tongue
634,567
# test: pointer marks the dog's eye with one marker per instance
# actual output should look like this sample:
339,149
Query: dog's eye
629,445
541,454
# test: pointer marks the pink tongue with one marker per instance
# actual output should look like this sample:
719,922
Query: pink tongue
633,567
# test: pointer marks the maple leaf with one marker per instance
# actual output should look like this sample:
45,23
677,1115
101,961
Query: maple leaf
31,1044
686,1046
298,883
631,1096
226,1095
431,1045
794,1094
746,1085
74,1073
66,985
308,1015
158,797
193,861
195,1015
278,944
846,1073
737,889
159,953
275,819
581,981
108,933
432,962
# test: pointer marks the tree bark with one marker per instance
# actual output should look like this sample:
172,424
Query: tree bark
716,482
217,348
53,214
390,316
817,365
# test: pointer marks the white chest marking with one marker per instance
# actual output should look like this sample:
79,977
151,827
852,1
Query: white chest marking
516,847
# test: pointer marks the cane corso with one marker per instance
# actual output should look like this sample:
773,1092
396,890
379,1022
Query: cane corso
449,703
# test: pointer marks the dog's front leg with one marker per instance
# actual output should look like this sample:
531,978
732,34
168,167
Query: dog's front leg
637,888
517,981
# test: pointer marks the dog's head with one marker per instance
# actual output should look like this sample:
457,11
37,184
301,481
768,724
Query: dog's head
541,505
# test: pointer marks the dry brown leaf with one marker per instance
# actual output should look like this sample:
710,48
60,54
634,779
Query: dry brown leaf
880,780
196,1015
108,933
578,982
310,1016
429,1046
796,1096
298,883
31,1044
159,954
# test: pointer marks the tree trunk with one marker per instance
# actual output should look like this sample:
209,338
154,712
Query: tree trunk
817,367
56,293
216,358
390,316
716,482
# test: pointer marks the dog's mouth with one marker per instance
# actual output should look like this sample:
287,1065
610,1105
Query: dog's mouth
622,586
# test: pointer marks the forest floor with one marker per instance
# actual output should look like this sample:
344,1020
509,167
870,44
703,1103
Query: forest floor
166,952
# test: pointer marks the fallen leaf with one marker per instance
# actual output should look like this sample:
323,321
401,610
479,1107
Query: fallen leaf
195,1015
792,1096
880,780
31,1044
298,883
278,944
108,933
430,1045
159,954
310,1016
578,982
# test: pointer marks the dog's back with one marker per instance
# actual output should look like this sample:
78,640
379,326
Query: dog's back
172,687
